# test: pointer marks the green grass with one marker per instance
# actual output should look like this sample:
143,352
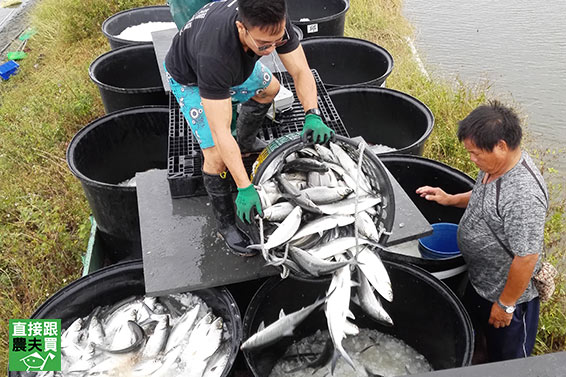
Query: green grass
44,217
44,222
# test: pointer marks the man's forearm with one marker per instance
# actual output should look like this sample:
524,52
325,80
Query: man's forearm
230,152
520,274
219,115
306,89
296,64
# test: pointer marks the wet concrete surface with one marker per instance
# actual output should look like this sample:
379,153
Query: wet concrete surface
182,251
180,246
551,365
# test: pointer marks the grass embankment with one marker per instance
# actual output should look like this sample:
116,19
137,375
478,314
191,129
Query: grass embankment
382,22
43,214
44,217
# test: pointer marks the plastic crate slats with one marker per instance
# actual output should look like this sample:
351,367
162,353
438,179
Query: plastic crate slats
184,161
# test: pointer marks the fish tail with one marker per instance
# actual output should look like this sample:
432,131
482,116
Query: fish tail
336,355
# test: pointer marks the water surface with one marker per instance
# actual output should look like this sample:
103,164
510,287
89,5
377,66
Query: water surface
519,46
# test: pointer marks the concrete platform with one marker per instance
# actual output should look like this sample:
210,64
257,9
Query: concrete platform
551,365
182,252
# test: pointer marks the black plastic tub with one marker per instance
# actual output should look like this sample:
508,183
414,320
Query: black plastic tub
384,117
115,283
342,61
117,23
110,150
128,77
413,172
427,316
319,17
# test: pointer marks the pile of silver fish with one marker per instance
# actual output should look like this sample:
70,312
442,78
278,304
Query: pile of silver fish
374,354
326,207
318,204
147,336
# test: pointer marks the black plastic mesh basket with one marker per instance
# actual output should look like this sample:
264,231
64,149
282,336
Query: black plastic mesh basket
371,166
185,159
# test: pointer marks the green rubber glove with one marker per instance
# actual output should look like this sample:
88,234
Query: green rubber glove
245,201
320,131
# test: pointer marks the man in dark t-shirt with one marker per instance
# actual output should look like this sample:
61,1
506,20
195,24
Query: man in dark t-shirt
213,64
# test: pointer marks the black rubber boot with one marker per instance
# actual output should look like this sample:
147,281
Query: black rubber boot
249,122
219,192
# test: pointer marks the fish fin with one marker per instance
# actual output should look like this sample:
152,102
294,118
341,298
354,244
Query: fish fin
286,195
350,315
288,332
335,357
356,300
261,326
281,314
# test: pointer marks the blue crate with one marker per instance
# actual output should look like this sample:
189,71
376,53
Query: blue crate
8,69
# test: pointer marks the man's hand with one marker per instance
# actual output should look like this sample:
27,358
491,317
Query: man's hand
245,201
498,317
321,133
435,194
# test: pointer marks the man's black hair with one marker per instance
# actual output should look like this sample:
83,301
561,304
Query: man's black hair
268,15
486,125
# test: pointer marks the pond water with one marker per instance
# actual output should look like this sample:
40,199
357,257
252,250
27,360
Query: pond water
519,46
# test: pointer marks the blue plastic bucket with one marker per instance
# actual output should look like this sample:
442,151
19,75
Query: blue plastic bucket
443,242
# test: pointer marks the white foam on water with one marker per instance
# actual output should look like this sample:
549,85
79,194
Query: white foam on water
380,353
142,32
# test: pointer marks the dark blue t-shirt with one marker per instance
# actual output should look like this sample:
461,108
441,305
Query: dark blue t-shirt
207,52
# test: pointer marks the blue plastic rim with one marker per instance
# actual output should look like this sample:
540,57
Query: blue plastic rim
443,242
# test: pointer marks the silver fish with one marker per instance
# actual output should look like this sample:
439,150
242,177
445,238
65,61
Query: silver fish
350,181
305,165
350,166
135,338
156,343
323,223
299,185
217,362
277,212
369,302
284,326
72,334
263,197
182,328
374,270
285,231
366,226
272,169
351,328
326,195
295,196
337,246
95,333
295,176
348,206
329,179
204,341
314,265
337,311
326,154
